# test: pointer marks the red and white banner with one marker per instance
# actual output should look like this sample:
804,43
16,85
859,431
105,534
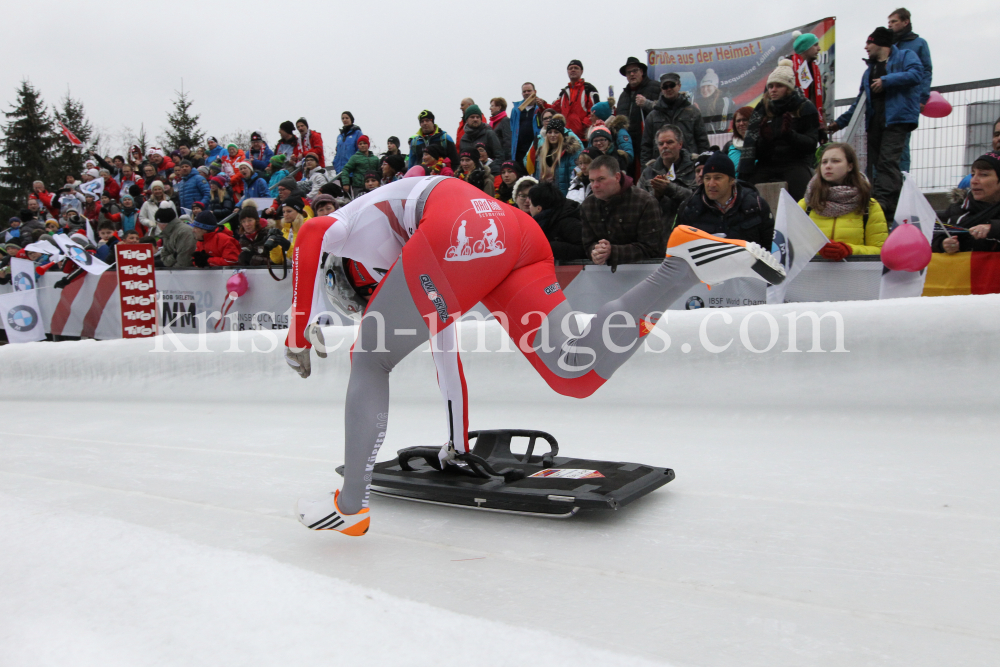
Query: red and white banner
85,307
69,135
137,290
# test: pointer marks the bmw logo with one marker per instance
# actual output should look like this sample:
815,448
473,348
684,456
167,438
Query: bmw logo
23,282
694,303
331,280
22,318
79,255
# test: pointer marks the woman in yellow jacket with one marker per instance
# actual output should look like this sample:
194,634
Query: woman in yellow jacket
838,200
293,213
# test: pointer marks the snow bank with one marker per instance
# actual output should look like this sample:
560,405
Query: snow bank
120,594
886,345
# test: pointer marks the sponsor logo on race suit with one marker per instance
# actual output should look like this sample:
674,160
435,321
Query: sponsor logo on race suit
478,233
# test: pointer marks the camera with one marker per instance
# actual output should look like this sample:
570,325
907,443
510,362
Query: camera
274,239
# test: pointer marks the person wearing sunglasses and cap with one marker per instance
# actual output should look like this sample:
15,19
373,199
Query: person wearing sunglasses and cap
673,108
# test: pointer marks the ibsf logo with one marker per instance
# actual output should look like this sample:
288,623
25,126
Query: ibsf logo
22,318
475,238
23,282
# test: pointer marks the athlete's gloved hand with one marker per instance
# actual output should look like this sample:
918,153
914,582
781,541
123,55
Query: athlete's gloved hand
836,251
299,361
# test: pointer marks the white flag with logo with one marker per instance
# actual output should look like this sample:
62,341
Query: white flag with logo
21,316
912,208
94,187
22,274
83,259
797,239
46,246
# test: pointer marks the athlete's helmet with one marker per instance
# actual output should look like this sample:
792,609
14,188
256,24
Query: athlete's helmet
339,291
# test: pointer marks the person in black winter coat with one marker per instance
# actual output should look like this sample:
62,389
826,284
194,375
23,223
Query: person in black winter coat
637,100
781,141
560,219
726,207
673,108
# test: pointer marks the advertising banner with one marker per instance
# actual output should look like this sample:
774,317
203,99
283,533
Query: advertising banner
721,78
137,290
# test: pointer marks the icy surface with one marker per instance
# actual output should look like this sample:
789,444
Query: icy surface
829,508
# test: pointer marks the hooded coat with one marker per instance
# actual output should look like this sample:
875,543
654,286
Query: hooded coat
679,112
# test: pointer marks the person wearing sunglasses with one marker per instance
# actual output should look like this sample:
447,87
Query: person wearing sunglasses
673,108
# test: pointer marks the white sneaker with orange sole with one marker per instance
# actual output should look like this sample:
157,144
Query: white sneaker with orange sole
715,259
324,514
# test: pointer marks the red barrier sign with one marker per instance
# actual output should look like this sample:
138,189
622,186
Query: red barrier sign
137,288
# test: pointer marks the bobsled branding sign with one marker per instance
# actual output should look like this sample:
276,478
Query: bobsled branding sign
476,237
137,289
23,271
435,297
21,316
721,78
567,473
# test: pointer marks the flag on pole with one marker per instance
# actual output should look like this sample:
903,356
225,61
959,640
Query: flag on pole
21,316
83,259
912,208
69,135
22,274
94,187
797,239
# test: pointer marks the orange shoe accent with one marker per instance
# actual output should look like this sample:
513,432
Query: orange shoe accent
360,528
686,233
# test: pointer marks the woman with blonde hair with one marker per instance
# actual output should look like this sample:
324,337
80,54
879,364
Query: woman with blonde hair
554,155
838,199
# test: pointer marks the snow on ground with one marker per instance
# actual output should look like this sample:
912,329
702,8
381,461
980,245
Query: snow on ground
829,508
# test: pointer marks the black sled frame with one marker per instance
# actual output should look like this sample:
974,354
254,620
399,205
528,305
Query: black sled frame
492,478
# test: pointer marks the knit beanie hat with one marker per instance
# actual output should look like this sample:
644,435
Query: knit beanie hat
156,184
306,123
720,163
881,36
205,220
249,212
575,62
425,114
600,131
218,180
240,165
278,160
320,200
710,78
602,110
312,154
289,184
204,171
803,42
556,124
397,162
217,166
470,110
364,138
165,213
255,136
372,175
232,145
992,159
295,202
783,74
509,164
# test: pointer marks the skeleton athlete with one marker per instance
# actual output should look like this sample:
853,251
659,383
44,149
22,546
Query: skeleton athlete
411,225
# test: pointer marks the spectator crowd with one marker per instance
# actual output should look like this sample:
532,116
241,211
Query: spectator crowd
606,180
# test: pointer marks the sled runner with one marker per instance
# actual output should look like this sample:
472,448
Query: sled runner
492,478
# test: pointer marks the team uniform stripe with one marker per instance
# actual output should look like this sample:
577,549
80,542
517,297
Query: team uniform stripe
708,245
397,228
718,249
324,519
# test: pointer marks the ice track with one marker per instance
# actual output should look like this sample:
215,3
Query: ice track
829,508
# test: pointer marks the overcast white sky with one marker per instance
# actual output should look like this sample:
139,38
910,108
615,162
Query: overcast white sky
252,64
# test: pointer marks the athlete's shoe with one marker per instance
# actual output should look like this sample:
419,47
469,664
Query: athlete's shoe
325,515
715,259
298,359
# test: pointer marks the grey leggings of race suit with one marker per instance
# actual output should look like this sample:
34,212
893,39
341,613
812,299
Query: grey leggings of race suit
599,348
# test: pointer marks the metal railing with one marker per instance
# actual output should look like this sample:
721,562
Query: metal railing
942,149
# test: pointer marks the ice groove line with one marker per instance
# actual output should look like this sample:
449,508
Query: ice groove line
171,447
705,590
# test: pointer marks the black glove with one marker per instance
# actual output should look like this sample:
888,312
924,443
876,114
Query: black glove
200,258
61,283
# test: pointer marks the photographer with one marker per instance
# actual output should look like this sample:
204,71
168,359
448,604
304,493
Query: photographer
257,240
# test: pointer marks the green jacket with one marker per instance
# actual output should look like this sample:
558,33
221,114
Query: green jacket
178,244
354,171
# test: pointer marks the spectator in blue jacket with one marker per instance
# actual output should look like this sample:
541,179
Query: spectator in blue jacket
892,83
215,151
904,38
347,141
525,122
193,186
260,153
254,185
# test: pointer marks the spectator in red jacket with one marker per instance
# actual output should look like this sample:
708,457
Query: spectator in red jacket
216,245
310,141
576,100
46,198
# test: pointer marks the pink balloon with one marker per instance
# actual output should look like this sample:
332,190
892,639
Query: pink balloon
937,106
415,171
906,249
237,284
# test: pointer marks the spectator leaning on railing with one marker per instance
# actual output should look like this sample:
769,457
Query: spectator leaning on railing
839,201
560,219
979,212
670,177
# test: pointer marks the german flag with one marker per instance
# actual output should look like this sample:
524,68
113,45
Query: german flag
963,273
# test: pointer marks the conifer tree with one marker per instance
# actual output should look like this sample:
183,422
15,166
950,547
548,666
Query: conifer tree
69,159
27,149
182,126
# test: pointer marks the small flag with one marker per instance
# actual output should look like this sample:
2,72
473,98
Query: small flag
69,135
83,259
21,316
797,239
